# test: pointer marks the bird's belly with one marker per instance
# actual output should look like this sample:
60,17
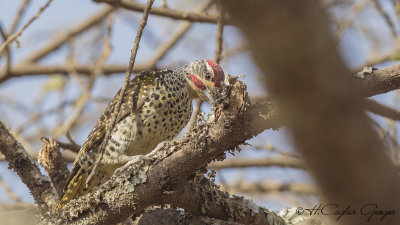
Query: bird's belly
157,125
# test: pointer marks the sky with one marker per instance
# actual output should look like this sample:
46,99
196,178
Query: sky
198,43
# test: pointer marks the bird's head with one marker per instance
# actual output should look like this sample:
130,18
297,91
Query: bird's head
206,80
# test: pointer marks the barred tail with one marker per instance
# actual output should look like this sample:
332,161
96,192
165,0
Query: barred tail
74,189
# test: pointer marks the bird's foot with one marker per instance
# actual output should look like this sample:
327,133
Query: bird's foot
136,158
159,147
131,160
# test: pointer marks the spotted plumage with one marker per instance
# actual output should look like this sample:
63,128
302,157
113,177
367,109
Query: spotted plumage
156,106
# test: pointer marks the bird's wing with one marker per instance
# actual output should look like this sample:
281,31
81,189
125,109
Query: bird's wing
135,95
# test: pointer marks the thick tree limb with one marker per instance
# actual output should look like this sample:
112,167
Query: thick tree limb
20,161
201,196
380,81
169,216
140,185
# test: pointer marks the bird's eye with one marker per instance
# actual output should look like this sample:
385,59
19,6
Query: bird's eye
208,76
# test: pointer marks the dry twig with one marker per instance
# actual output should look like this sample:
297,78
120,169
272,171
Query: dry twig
12,37
18,16
7,50
34,70
165,12
166,46
58,41
267,162
85,96
385,17
381,109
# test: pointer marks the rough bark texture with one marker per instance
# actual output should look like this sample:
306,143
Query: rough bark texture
169,216
380,81
139,185
20,161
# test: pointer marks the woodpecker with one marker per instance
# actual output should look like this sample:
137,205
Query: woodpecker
156,106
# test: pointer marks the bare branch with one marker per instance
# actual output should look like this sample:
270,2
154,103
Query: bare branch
385,17
381,81
7,51
267,162
27,170
12,37
85,96
34,69
165,12
18,16
220,29
381,109
356,9
380,58
58,41
166,46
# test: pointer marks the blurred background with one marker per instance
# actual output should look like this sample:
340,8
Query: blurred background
48,87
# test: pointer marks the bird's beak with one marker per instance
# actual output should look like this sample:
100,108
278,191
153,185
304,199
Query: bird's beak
210,99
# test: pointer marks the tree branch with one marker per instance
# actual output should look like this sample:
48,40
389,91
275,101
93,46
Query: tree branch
58,41
380,81
200,196
12,37
243,163
165,170
267,187
380,109
20,161
177,217
34,69
165,12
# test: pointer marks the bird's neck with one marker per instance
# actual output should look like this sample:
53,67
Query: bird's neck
192,93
